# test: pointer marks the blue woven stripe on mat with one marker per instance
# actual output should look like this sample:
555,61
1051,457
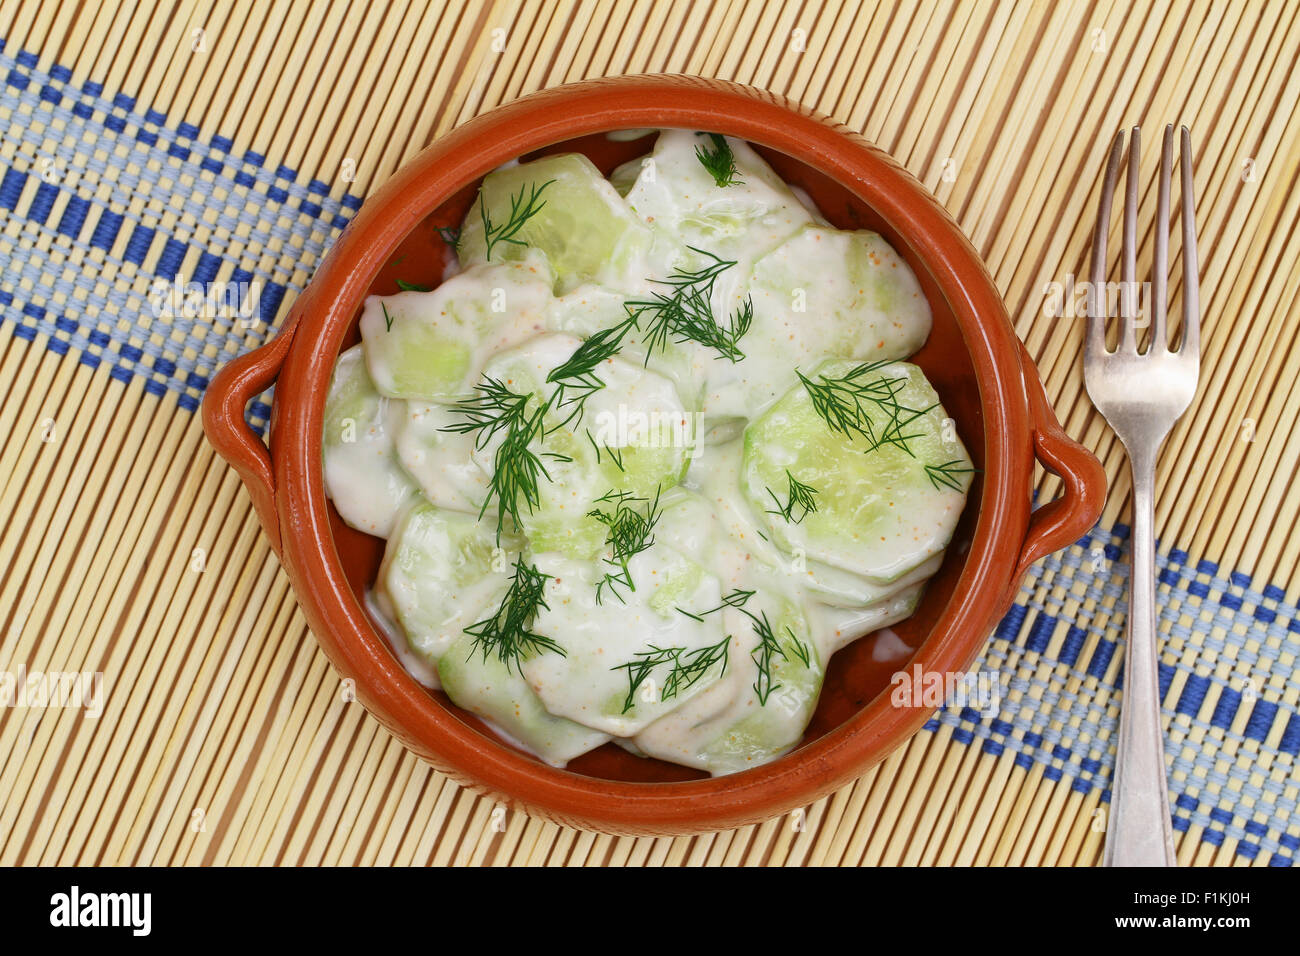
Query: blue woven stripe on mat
80,161
76,280
1232,740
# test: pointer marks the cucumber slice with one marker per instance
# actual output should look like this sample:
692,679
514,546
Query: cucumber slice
496,693
741,222
362,473
676,194
839,627
865,303
879,511
429,346
384,615
590,308
579,221
757,712
589,684
442,571
440,461
840,588
631,437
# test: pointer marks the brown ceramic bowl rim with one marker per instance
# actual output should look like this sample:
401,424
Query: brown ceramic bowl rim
289,496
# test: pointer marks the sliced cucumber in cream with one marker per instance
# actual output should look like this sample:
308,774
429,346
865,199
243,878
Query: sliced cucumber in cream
841,626
675,193
439,459
648,457
361,470
883,499
430,346
822,293
630,654
762,706
840,588
563,207
631,436
493,691
443,571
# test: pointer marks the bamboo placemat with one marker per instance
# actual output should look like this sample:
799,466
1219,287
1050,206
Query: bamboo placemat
233,140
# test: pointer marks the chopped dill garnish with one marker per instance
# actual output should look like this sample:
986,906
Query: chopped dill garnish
450,235
412,287
615,454
719,160
685,314
762,655
521,210
516,466
388,319
945,475
507,632
736,598
846,402
629,531
768,648
799,496
688,667
800,649
576,376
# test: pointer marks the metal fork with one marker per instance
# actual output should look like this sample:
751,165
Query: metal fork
1141,395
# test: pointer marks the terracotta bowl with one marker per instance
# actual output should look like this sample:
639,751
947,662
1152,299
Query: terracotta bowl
987,382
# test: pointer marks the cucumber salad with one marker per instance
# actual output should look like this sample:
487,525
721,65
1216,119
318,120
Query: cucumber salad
648,456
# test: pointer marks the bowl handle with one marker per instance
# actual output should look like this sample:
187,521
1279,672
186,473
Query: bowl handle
224,402
1061,522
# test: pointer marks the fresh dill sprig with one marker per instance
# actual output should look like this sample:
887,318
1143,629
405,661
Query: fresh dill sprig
412,287
388,319
687,668
576,377
629,531
450,235
516,466
846,402
768,648
685,313
800,649
945,475
521,210
736,598
799,496
615,454
719,160
507,633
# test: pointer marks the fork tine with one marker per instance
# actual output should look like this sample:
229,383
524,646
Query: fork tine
1095,342
1160,265
1191,344
1128,286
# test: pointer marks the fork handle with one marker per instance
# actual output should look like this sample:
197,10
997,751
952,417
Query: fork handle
1139,831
